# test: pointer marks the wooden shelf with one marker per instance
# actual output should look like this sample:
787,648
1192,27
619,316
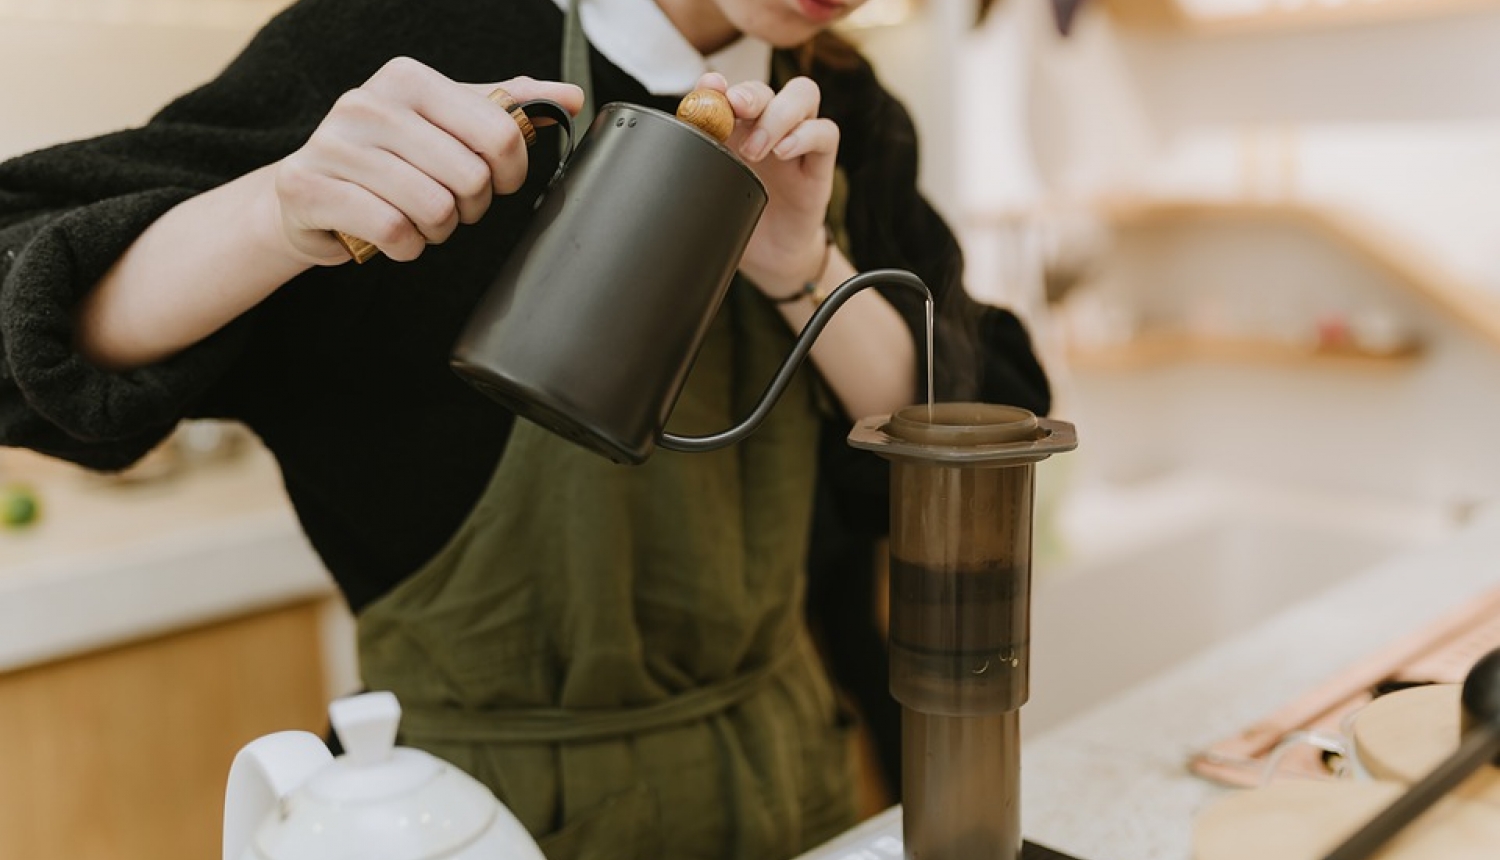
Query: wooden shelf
1169,15
1470,305
1160,349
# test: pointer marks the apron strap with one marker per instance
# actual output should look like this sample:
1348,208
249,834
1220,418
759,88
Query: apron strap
575,65
421,722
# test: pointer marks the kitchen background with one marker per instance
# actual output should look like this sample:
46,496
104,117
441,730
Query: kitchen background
1258,242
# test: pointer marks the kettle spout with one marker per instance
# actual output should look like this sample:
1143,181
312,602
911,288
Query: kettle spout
783,377
266,770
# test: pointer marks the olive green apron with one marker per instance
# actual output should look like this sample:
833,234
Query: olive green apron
619,652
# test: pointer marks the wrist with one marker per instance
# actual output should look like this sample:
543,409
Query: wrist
811,288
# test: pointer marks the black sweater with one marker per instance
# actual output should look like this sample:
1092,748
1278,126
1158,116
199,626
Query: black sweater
343,372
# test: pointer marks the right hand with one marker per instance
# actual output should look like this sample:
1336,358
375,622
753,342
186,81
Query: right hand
404,159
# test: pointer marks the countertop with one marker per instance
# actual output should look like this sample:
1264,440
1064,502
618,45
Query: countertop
1113,783
110,562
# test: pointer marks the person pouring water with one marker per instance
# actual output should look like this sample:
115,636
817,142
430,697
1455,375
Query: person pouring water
619,653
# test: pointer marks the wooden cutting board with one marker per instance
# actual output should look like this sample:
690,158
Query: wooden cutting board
1398,739
1305,820
1403,736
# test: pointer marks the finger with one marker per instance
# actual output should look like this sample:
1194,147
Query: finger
460,110
713,81
428,209
811,138
434,152
381,144
749,99
525,89
360,212
797,102
481,127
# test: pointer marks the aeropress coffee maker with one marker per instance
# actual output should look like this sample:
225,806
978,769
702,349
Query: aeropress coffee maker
962,484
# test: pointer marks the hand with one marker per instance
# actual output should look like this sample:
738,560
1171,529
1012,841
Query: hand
793,151
404,159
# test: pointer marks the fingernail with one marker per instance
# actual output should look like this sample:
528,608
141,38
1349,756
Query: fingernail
755,145
787,144
739,99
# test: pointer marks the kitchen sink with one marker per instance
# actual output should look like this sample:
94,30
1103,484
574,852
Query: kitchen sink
1153,574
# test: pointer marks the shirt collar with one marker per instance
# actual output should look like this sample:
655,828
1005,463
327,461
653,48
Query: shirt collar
637,36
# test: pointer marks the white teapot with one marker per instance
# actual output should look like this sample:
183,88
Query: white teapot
288,798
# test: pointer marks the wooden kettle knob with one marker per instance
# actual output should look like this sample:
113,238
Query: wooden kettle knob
361,250
709,112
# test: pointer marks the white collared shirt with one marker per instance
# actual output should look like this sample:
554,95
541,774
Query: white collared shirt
637,36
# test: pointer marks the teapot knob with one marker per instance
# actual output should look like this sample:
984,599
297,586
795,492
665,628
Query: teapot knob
709,112
366,726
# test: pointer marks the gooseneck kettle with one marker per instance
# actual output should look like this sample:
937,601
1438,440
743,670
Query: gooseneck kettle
592,324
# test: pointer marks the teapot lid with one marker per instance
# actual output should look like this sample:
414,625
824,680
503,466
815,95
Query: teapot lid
377,801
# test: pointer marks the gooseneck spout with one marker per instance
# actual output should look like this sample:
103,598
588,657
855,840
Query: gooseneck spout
809,334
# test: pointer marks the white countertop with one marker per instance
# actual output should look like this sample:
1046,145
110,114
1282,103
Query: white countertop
110,563
1113,783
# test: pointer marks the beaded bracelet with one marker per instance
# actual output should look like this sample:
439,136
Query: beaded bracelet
811,290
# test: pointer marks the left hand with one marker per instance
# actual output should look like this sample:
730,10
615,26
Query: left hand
793,151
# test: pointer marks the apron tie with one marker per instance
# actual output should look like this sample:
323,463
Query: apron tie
568,725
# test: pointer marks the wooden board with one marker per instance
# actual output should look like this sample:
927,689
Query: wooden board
1297,820
1402,737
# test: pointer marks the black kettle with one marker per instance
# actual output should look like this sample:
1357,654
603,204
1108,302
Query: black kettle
592,324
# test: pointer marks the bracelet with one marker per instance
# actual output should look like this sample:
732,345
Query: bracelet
811,290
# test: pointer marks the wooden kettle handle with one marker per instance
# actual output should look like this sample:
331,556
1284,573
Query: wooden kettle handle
361,250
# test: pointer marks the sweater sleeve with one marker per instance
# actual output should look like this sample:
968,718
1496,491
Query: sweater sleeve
68,212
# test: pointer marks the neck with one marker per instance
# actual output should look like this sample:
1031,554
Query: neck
701,23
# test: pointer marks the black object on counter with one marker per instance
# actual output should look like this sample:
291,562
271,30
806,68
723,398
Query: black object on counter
1479,744
1033,851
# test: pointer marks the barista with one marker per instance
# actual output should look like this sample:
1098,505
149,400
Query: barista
618,652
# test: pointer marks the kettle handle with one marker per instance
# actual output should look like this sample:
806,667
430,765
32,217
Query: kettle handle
266,770
783,377
361,251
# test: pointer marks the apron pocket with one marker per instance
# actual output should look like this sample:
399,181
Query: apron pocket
625,826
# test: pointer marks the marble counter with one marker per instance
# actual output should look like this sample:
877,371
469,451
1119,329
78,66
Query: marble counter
1113,784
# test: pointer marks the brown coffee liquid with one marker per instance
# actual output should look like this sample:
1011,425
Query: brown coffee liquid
959,637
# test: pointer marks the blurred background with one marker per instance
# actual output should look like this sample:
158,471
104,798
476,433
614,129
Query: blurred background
1257,242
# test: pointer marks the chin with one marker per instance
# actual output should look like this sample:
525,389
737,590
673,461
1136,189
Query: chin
785,23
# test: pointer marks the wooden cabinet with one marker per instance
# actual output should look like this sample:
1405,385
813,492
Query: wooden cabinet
123,754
